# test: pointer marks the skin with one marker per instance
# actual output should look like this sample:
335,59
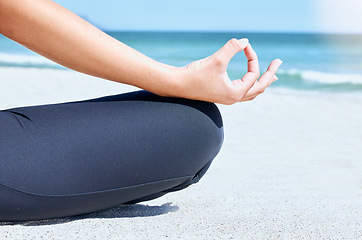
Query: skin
56,33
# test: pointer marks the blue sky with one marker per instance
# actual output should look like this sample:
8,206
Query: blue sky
213,15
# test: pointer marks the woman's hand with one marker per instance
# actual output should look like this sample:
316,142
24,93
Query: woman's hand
207,79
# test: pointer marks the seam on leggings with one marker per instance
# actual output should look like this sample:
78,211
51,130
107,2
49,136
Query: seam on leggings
18,119
94,192
17,115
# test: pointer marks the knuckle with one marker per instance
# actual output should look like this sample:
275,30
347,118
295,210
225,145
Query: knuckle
235,43
218,60
252,98
271,72
260,91
255,75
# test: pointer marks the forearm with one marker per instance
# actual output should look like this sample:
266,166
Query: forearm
56,33
60,35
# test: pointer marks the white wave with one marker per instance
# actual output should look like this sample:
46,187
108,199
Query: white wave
325,77
332,78
315,93
25,60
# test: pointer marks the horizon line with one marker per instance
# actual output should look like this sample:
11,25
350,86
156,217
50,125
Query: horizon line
231,31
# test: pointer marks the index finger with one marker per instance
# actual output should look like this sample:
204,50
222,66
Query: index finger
253,62
253,68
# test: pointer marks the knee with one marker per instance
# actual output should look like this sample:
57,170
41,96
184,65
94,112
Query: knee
210,139
205,136
210,129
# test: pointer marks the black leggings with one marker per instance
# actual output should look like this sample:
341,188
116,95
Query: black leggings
79,157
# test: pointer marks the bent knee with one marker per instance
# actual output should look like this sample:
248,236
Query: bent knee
202,138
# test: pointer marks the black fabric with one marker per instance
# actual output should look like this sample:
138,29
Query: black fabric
74,158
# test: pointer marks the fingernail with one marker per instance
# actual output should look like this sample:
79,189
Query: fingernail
280,61
244,41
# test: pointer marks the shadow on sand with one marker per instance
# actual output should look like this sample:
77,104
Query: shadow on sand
121,211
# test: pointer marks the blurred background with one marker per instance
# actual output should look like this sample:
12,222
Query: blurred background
319,41
290,167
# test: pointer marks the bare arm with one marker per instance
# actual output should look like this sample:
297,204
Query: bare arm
56,33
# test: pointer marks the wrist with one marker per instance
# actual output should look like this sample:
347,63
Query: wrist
169,82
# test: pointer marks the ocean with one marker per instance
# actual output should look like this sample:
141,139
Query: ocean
320,64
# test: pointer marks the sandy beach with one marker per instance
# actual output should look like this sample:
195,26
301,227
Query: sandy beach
290,168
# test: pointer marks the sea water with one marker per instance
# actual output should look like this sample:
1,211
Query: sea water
312,63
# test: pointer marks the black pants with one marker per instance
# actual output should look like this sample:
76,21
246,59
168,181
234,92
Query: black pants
79,157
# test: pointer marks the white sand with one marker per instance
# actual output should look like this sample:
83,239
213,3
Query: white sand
290,168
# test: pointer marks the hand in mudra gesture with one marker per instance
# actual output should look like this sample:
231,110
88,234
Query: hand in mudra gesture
207,79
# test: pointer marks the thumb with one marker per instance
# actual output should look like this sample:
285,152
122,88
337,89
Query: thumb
232,47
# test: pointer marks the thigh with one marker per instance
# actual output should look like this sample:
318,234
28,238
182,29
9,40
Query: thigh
97,147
